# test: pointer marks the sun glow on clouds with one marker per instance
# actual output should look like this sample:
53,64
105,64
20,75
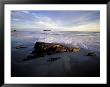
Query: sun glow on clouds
56,20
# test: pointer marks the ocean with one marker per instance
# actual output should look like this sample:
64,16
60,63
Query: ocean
68,64
86,40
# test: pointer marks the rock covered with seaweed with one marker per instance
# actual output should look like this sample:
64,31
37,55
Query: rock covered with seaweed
41,49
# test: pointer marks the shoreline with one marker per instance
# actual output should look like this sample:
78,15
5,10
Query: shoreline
65,64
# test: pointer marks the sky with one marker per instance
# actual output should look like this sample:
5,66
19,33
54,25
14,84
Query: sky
60,20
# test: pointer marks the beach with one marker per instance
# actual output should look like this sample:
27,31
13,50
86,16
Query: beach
66,64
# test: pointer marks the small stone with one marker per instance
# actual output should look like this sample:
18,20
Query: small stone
18,47
53,59
91,54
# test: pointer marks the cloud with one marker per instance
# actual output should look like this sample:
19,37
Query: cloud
87,27
57,20
15,19
45,22
26,12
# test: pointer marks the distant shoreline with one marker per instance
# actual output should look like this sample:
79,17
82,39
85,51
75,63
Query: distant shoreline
52,31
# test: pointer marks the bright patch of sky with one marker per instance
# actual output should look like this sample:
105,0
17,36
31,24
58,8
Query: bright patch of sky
70,20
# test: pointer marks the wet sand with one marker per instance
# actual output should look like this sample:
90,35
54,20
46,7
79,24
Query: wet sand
65,64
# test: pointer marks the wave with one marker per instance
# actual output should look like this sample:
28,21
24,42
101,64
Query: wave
79,39
82,34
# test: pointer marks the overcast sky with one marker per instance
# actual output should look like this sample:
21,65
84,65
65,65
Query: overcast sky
56,20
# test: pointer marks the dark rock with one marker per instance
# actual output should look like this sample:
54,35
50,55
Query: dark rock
53,59
41,49
91,54
29,57
20,46
14,30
